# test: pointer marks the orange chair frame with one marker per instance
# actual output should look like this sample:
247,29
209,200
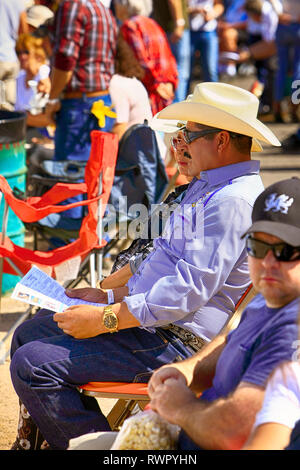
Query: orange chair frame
128,395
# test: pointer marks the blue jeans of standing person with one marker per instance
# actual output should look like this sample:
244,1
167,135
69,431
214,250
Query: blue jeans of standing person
207,43
74,124
288,50
47,366
182,53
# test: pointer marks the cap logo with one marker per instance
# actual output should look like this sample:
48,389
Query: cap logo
278,203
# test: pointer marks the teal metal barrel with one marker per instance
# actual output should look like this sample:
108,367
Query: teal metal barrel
13,168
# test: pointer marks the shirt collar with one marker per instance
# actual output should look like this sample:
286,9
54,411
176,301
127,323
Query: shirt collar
225,173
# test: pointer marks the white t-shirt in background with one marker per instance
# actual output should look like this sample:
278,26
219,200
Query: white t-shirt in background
282,397
130,100
25,94
267,27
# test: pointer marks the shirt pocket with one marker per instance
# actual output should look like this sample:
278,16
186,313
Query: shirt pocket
180,228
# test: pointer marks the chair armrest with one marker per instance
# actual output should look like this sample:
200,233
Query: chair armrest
35,208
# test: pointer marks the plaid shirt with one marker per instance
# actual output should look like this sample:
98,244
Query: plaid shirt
150,45
85,42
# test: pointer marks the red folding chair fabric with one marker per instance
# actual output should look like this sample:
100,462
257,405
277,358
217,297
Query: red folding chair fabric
101,163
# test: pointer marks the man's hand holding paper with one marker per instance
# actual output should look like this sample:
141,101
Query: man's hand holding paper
95,295
90,294
81,321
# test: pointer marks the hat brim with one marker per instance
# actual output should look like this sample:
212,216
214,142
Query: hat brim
166,125
215,117
288,233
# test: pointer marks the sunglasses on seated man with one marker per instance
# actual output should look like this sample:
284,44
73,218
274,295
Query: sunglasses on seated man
281,251
190,136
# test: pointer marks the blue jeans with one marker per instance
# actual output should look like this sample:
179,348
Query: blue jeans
47,366
74,124
287,43
182,53
207,43
294,443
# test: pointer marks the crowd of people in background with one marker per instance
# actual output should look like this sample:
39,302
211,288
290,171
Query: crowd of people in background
75,66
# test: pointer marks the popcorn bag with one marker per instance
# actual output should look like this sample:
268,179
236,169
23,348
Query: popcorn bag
146,431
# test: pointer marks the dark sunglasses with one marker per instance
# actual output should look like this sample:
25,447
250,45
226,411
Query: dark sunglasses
190,136
281,251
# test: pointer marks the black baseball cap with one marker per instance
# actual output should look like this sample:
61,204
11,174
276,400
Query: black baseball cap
276,211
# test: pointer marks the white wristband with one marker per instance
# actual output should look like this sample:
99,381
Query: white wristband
110,296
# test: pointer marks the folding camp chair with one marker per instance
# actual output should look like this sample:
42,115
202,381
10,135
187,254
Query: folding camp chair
140,178
132,395
65,262
128,395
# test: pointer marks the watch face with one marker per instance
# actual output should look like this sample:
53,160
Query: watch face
111,321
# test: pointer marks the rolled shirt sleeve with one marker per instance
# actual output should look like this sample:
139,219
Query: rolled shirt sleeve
68,36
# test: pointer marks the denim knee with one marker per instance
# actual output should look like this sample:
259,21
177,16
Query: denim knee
20,369
38,327
27,371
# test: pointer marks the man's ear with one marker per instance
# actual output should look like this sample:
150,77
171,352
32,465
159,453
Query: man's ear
223,140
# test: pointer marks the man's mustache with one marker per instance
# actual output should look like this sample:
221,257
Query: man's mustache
187,155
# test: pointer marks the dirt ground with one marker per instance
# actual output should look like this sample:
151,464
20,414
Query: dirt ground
8,397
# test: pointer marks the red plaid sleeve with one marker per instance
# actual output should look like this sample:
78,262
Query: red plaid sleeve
151,47
69,29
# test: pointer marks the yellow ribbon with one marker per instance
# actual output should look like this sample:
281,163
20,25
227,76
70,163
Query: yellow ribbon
100,111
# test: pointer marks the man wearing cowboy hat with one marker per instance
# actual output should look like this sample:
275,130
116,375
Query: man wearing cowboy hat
181,295
232,371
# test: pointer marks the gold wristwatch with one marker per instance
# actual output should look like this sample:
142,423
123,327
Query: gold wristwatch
110,319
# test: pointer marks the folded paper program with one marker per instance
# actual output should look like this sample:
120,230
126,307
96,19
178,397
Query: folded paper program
37,288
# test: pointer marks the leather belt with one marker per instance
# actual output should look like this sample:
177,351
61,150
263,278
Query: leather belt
187,337
80,94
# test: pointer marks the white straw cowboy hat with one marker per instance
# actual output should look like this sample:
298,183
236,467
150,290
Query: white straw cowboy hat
218,105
